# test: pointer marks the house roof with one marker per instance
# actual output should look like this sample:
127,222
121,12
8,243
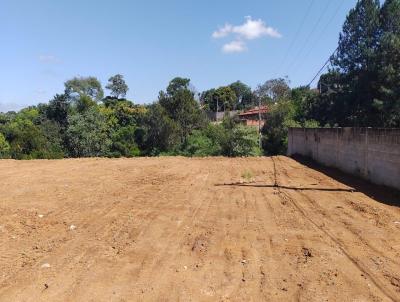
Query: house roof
253,111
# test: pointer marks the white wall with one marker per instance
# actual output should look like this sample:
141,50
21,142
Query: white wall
371,153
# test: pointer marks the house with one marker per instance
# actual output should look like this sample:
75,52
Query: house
250,117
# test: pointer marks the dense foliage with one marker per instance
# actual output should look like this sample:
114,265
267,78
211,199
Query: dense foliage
362,87
82,123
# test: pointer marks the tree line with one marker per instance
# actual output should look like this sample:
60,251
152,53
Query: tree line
360,89
82,122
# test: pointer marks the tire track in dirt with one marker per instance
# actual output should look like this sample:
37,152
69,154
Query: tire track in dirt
155,267
328,216
347,225
277,223
257,258
178,236
389,293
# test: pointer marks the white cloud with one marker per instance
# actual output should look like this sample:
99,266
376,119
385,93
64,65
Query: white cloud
249,30
223,31
234,46
253,29
48,59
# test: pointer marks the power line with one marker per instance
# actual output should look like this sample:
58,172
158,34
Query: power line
309,36
323,67
300,62
295,37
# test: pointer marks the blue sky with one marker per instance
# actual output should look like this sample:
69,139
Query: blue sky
214,43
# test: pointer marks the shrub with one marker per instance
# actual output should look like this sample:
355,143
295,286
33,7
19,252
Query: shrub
199,144
4,147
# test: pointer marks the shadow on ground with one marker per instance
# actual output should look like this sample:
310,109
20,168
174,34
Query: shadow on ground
381,194
249,184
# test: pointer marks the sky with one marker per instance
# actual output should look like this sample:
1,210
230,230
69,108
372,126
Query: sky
214,43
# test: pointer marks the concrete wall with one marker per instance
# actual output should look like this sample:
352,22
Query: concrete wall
219,116
371,153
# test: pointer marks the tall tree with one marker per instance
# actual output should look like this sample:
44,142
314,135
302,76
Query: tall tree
355,60
273,90
177,84
180,105
57,110
161,132
207,100
117,86
226,97
84,87
220,99
359,38
388,103
88,134
244,95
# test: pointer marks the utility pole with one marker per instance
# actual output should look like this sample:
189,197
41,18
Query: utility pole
259,123
216,116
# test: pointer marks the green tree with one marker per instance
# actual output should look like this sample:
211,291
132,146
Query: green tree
117,86
388,102
273,90
26,139
177,84
244,95
4,147
355,59
208,100
124,142
359,38
278,119
244,141
57,110
181,107
220,99
226,97
128,114
201,143
161,132
54,139
79,87
88,134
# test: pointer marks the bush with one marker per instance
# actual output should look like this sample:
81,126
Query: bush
201,144
228,139
4,147
275,131
124,142
244,141
88,134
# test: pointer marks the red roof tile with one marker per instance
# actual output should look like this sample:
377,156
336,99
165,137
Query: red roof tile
263,109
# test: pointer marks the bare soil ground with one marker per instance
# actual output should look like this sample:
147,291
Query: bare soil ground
178,229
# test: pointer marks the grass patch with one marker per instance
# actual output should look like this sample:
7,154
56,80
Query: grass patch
247,175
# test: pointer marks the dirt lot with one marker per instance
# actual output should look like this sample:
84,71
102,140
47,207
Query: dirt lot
176,229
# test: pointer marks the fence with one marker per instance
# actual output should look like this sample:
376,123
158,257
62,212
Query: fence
371,153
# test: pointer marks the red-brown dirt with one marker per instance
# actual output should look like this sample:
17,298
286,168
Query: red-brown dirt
179,229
